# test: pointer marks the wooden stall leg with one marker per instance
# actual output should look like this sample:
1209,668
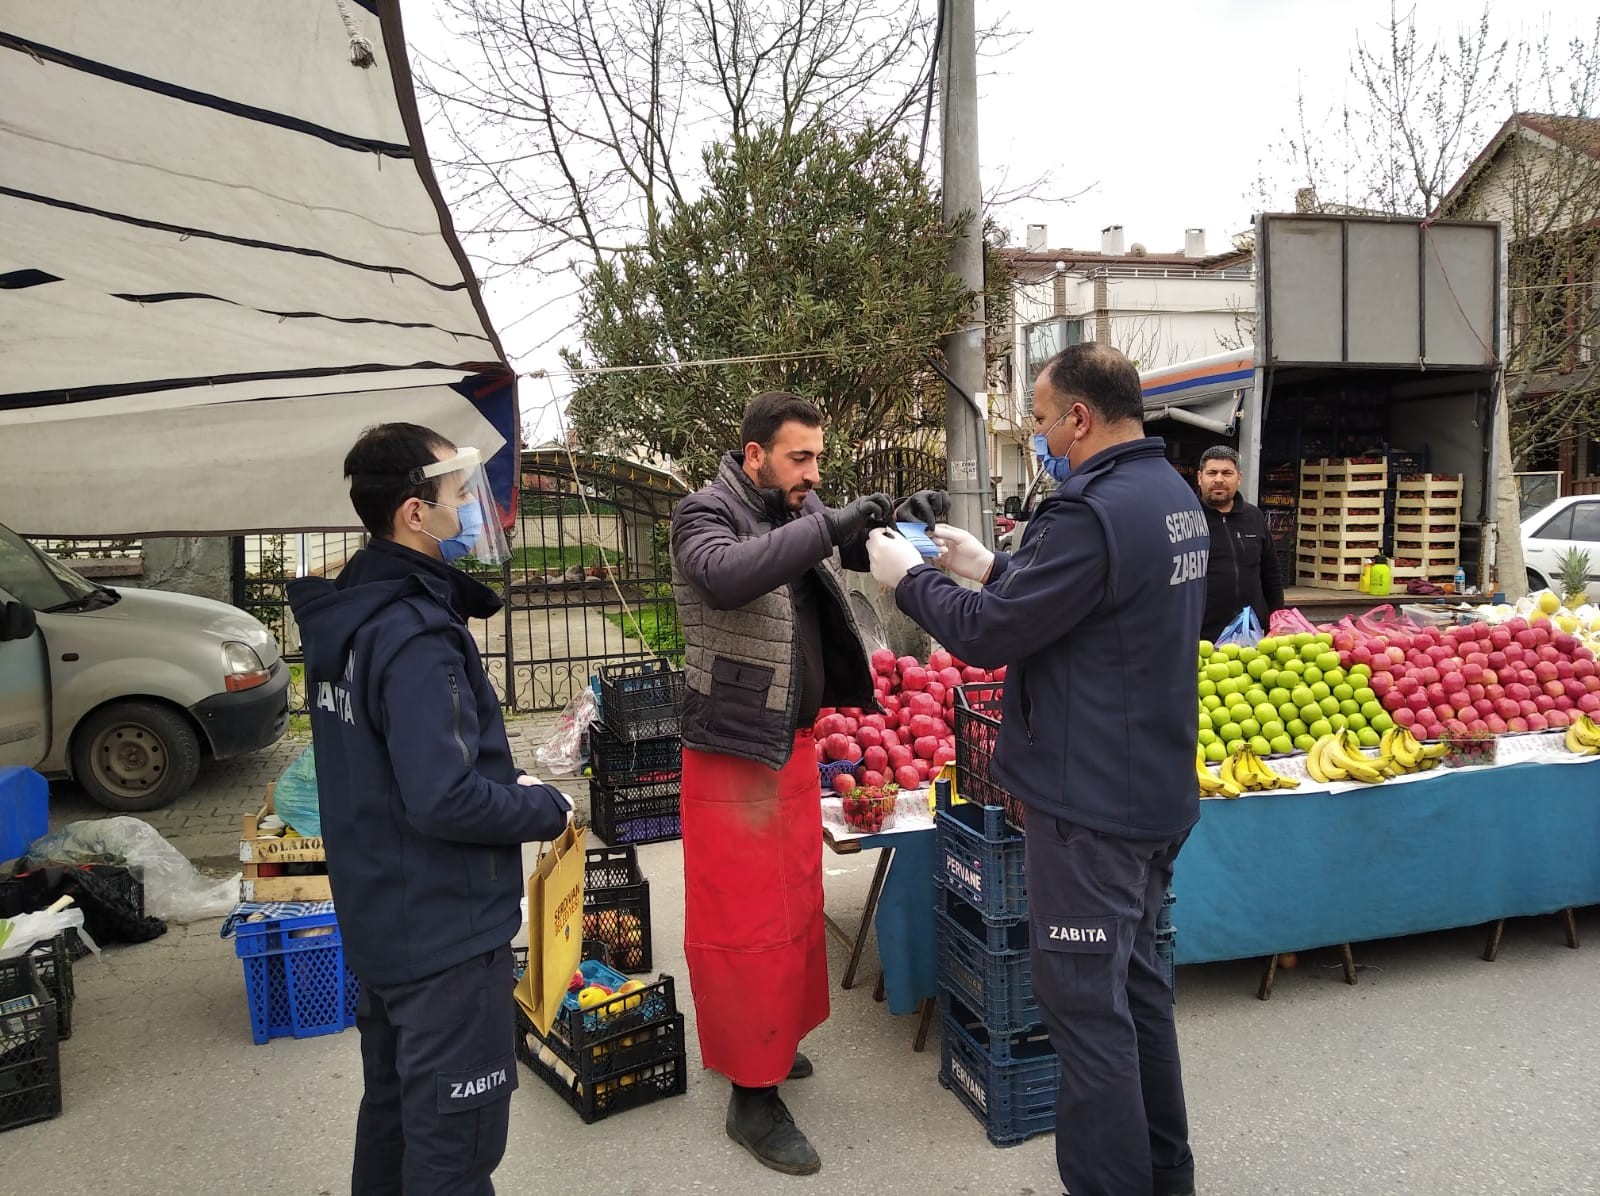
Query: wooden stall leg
877,989
924,1022
1349,963
1569,923
1267,977
1491,949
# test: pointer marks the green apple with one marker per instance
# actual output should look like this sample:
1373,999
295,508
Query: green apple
1303,695
1272,729
1381,723
1250,727
1319,691
1216,751
1367,737
1297,727
1281,745
1211,702
1320,728
1343,691
1304,742
1356,721
1207,687
1228,732
1260,746
1371,710
1349,706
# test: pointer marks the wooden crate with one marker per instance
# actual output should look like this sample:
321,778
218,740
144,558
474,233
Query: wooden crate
256,849
1345,473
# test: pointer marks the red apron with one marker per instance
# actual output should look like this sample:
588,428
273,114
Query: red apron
752,926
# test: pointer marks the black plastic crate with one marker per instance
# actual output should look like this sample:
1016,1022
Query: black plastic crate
641,700
1008,1083
602,1062
30,1053
980,858
615,761
635,813
998,937
616,906
977,729
996,985
52,960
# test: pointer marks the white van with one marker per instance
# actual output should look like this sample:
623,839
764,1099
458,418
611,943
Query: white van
125,690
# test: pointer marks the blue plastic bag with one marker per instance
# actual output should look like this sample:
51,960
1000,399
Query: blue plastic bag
294,797
1245,630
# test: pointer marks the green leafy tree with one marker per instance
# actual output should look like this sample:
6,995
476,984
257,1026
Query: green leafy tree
817,259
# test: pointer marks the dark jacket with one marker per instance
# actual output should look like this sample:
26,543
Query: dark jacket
1244,569
421,813
1097,618
736,549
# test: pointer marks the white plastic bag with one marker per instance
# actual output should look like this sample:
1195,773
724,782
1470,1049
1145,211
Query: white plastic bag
173,890
563,751
29,930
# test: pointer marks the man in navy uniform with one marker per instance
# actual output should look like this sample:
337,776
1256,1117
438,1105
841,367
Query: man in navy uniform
423,812
1097,618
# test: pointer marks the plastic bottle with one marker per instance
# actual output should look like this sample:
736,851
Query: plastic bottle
1378,579
1461,580
1365,585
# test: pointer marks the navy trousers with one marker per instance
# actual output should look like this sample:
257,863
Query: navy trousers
1121,1125
437,1057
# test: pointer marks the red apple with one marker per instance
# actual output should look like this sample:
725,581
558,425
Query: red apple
1405,716
1516,725
906,777
940,660
1558,718
900,756
877,759
883,662
1590,703
843,783
1496,724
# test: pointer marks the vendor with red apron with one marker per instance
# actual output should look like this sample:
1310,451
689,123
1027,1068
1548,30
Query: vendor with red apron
769,638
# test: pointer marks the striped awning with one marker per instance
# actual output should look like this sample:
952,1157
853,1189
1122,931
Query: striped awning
224,253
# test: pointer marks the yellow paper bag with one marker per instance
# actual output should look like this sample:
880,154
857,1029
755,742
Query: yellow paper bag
555,929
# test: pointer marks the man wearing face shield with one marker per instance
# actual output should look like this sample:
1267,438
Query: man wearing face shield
1097,618
770,638
424,812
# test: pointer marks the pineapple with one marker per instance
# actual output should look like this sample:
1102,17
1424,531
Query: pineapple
1574,577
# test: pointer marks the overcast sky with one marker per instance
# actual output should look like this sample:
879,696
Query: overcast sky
1163,109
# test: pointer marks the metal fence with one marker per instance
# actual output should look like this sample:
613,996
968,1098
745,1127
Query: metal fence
588,582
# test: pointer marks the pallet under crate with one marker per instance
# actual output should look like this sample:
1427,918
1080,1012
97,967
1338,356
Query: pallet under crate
273,852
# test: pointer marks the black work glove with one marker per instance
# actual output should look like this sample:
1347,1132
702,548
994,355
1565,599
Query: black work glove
925,506
848,522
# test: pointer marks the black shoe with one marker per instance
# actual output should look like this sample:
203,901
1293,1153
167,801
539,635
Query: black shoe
759,1121
801,1068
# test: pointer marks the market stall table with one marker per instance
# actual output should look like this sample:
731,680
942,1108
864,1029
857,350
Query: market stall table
1286,871
899,907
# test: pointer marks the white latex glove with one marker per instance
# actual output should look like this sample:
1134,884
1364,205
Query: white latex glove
892,556
963,553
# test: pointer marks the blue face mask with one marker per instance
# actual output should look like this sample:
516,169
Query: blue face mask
462,543
1059,468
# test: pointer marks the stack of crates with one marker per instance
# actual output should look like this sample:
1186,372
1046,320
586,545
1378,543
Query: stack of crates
30,1054
616,906
994,1054
1427,528
622,1053
636,753
1341,520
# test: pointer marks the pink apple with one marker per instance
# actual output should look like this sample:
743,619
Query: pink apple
1478,727
1476,692
1536,722
1494,692
1459,698
1528,707
1583,667
1558,718
1455,727
1484,707
1554,689
1408,685
1496,724
1589,703
1418,701
1429,675
1500,637
1393,700
1453,679
1516,725
1507,709
1405,716
1445,712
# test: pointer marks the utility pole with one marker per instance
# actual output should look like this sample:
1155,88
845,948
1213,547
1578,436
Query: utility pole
966,415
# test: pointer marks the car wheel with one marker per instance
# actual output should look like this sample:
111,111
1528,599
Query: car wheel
1536,582
135,756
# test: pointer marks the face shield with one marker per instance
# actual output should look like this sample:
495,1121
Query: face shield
464,492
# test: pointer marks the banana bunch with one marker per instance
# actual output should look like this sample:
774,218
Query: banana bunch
1399,751
1583,736
1210,783
1338,757
1242,772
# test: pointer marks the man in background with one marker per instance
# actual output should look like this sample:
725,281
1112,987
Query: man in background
1244,569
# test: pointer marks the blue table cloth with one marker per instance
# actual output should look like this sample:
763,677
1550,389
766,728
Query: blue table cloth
907,946
1279,872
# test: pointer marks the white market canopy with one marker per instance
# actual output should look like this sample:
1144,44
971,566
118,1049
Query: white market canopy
224,254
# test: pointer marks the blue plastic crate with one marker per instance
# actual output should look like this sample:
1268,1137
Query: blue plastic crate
295,977
996,985
1008,1084
24,811
655,1001
981,858
997,937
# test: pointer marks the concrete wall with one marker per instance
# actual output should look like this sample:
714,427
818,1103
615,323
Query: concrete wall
198,565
